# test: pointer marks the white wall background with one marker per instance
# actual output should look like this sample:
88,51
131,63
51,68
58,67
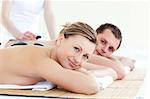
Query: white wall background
132,17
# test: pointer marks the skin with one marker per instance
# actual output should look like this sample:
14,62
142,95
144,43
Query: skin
52,64
103,59
107,43
49,19
11,28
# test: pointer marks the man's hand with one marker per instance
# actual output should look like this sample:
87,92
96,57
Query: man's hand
124,61
128,62
109,62
119,68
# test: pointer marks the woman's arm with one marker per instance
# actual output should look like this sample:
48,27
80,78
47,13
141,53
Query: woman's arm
102,61
71,80
49,19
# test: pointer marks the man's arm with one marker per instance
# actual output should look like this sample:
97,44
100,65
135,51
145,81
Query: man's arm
126,61
99,70
71,80
102,61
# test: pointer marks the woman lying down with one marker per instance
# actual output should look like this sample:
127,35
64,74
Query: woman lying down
61,63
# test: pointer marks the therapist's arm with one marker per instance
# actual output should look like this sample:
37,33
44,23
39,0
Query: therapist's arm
49,19
8,23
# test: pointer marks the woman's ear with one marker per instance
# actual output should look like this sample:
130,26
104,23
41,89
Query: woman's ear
60,39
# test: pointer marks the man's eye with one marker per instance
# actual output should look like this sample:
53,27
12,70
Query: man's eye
102,41
111,49
76,49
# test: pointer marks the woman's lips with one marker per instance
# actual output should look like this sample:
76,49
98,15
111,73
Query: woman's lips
72,64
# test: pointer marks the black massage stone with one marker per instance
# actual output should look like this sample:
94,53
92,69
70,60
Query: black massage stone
37,37
19,43
38,44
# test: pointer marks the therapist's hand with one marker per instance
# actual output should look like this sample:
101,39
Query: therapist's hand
27,36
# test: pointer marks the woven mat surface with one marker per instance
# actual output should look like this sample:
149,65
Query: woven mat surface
126,88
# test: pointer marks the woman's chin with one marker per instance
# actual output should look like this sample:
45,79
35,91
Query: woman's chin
67,67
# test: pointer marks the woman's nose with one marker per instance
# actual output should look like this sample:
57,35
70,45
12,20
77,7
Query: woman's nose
78,59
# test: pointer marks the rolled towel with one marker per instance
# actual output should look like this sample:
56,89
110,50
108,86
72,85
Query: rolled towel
40,86
104,82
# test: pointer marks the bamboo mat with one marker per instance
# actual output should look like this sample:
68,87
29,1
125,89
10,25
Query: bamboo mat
121,89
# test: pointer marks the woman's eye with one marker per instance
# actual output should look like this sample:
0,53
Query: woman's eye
76,49
85,57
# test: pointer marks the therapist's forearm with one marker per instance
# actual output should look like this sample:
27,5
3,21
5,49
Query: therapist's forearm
11,28
49,19
50,26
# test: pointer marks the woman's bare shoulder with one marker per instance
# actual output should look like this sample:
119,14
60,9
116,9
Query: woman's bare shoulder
31,48
22,51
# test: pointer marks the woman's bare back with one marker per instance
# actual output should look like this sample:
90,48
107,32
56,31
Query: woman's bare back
17,64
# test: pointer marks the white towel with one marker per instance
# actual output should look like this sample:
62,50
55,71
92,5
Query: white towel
40,86
104,82
127,69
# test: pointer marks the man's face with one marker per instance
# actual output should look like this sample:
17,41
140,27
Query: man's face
106,43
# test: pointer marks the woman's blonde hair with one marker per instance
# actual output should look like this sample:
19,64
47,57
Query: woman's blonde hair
79,28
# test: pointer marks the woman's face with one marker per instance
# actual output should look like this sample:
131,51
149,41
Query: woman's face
71,52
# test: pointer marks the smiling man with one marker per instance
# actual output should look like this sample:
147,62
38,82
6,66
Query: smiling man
109,39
